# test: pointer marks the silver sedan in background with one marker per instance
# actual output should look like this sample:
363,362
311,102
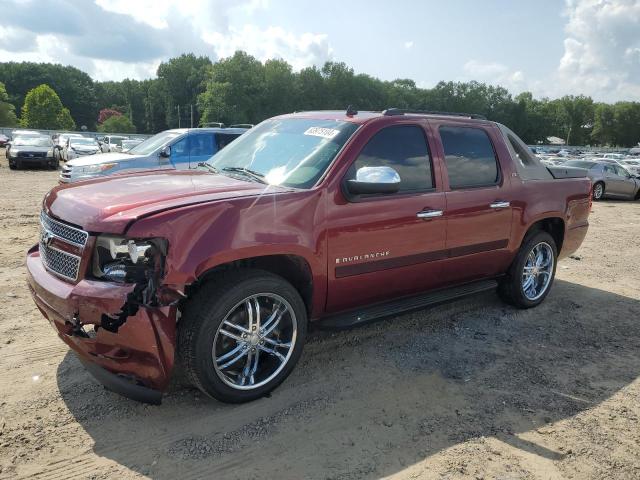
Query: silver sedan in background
609,179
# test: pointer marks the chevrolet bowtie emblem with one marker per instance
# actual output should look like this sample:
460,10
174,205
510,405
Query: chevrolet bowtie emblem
46,238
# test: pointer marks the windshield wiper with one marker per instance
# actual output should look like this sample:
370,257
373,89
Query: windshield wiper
257,176
209,167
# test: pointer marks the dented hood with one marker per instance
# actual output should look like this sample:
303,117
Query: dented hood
110,204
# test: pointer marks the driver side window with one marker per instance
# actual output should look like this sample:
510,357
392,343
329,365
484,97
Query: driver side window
403,148
180,150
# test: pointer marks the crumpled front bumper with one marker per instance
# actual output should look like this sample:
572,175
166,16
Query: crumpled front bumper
137,361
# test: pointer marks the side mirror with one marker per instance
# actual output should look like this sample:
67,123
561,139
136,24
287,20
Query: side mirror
166,151
372,180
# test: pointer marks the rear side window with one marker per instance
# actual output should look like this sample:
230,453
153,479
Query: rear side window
403,148
225,139
470,158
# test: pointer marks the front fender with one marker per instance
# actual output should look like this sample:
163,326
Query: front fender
207,235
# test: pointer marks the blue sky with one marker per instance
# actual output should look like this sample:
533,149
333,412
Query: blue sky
550,47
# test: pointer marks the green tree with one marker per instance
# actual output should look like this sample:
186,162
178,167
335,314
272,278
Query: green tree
234,92
43,109
183,79
310,89
74,87
7,110
117,124
627,123
604,124
279,89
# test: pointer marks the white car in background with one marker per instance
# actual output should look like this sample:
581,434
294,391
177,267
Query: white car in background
129,144
60,142
79,147
112,143
631,164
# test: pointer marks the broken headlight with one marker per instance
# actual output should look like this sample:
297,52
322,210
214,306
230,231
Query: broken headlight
126,260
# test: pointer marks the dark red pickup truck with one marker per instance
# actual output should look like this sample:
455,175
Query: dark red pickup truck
327,216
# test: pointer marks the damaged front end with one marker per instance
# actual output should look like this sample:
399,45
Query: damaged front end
117,316
137,262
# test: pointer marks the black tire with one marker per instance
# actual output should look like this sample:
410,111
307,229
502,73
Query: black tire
511,288
54,165
598,191
206,310
12,165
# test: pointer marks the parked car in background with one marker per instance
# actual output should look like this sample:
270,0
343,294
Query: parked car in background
26,133
3,140
61,141
112,143
620,162
172,149
129,144
632,165
609,179
331,217
31,151
20,133
79,147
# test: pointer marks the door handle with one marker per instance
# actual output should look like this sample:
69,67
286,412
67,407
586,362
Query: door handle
429,214
500,204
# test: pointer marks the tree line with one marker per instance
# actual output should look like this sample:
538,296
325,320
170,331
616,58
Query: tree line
193,90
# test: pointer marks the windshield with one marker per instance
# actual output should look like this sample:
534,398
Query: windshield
152,144
83,141
579,164
32,141
293,152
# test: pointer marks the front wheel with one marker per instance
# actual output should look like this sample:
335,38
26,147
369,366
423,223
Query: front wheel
241,335
531,274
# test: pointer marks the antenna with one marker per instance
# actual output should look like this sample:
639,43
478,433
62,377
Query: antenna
351,111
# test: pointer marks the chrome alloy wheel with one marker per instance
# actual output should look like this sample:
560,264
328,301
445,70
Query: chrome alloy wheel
598,191
537,271
254,341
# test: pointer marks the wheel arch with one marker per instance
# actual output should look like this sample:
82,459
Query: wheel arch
293,268
553,225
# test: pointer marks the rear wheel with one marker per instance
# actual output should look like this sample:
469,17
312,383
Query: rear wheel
531,274
242,334
598,191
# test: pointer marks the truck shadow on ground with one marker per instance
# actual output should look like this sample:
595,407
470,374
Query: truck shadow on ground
373,401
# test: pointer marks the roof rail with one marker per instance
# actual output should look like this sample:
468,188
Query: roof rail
213,125
400,111
242,125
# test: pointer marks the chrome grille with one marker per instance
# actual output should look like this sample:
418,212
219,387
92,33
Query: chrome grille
61,263
70,234
65,174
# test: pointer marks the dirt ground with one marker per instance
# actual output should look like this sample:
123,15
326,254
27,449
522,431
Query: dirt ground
473,389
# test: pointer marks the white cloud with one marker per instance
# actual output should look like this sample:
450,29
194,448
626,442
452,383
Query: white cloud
115,39
408,44
273,42
496,74
602,49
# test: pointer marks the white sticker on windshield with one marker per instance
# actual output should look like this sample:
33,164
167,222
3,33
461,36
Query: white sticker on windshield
322,132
